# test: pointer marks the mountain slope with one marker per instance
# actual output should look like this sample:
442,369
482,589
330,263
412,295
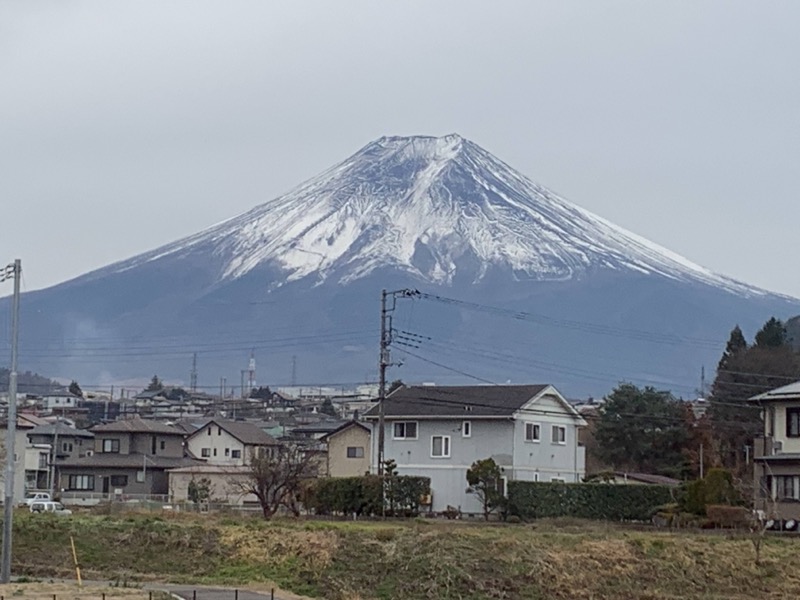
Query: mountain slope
298,279
422,204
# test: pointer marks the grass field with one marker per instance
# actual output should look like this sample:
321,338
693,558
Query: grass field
412,560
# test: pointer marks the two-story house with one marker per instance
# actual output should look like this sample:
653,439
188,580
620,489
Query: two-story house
130,457
225,447
231,443
531,431
776,482
347,450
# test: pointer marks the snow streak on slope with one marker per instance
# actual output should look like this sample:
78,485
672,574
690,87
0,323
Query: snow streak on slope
428,205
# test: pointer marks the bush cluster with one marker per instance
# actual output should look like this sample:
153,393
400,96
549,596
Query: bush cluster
362,495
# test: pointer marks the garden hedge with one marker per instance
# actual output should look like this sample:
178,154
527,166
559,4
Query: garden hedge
607,501
362,495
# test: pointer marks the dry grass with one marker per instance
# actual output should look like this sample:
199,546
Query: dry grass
66,591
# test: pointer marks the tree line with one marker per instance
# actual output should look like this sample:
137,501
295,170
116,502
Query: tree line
643,429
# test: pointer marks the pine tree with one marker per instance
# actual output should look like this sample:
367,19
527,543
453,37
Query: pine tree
75,389
155,385
743,372
772,334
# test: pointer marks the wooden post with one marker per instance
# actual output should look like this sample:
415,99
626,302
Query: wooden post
75,559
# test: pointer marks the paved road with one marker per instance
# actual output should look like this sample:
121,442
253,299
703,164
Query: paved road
188,592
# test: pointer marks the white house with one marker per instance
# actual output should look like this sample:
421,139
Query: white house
531,431
231,443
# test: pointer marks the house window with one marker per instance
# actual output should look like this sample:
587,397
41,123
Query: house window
81,482
793,422
227,451
536,476
119,480
771,421
440,446
209,431
533,432
787,487
559,434
205,452
110,445
355,452
405,430
466,429
557,480
215,451
236,454
140,476
66,447
163,445
219,430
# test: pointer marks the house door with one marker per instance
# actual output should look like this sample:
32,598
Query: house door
106,484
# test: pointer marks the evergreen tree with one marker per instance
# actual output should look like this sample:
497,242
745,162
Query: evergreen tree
772,334
155,385
75,389
743,372
397,383
327,408
642,430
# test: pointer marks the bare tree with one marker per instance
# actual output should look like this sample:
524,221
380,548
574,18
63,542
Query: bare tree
762,519
275,477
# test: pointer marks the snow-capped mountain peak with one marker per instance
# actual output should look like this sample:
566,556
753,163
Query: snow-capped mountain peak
434,207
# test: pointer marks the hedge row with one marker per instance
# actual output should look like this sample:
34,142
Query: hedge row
362,495
613,502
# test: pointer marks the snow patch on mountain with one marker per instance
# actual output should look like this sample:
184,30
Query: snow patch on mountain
446,196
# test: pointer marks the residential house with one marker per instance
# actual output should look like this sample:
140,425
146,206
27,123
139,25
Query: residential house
130,457
777,454
62,442
223,442
60,402
530,431
348,450
25,455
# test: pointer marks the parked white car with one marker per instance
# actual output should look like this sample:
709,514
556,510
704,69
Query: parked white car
50,507
37,497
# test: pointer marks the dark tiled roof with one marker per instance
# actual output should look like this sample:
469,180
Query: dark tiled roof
319,427
137,425
457,401
245,432
343,427
63,429
126,461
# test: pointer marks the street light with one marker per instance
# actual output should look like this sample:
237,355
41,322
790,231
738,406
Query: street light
12,271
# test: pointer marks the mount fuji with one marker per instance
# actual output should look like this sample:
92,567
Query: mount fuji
518,285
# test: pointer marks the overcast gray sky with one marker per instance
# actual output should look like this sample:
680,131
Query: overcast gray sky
126,125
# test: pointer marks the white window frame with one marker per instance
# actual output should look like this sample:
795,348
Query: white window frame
533,428
405,425
446,446
205,452
536,476
111,443
355,450
558,441
466,429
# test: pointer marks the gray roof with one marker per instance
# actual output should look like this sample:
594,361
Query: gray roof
319,426
245,432
63,429
787,392
457,401
112,460
649,478
137,425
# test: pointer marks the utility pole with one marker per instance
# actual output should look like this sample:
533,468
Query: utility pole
193,374
384,362
294,371
13,271
702,469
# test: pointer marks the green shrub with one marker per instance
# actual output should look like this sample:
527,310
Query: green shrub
615,502
728,517
362,495
716,488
